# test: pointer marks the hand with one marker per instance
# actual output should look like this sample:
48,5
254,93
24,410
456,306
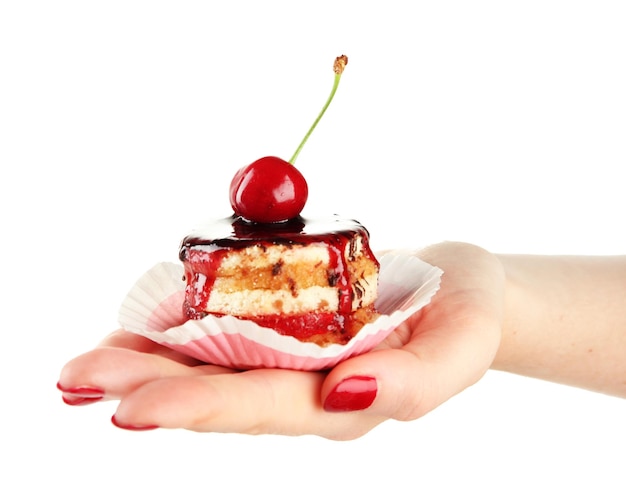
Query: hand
434,355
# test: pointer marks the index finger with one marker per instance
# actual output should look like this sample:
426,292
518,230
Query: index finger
126,340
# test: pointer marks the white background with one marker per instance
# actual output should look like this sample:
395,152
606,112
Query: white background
121,123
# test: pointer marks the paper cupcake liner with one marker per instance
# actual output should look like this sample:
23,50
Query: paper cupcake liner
153,309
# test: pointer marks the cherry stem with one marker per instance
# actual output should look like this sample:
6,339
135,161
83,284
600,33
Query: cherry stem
338,67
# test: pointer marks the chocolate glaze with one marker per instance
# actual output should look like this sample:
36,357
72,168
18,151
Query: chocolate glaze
236,232
202,251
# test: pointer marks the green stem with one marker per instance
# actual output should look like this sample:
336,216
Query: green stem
306,137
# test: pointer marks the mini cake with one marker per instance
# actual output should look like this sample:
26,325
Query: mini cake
315,280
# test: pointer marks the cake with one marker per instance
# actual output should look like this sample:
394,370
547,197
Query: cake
315,280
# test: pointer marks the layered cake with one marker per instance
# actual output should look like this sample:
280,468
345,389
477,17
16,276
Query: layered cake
315,280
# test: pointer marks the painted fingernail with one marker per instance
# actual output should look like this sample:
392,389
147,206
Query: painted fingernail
82,391
81,396
78,400
352,394
130,427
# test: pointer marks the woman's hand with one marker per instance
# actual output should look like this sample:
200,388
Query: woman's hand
437,353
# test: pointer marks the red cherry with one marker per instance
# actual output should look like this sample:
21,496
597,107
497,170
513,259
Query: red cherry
272,190
269,190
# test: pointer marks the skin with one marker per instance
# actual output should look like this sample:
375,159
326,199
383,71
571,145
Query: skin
566,321
561,319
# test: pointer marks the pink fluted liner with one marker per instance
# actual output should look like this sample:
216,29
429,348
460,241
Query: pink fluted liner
153,309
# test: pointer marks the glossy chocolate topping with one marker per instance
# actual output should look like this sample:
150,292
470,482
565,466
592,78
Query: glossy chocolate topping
236,232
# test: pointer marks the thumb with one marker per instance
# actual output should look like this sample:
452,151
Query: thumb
391,383
408,382
436,353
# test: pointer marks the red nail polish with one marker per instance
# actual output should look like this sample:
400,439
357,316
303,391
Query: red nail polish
82,391
352,394
77,400
125,426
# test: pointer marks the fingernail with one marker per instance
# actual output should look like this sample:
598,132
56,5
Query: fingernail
125,426
352,394
81,396
82,391
78,400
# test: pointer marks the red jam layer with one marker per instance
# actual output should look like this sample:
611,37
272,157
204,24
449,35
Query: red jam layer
305,327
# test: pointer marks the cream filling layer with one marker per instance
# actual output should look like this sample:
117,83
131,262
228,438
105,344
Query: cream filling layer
316,298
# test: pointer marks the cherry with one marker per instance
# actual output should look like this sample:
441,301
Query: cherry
272,190
268,191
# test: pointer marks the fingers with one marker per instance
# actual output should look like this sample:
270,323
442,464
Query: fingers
253,402
156,391
127,340
122,363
